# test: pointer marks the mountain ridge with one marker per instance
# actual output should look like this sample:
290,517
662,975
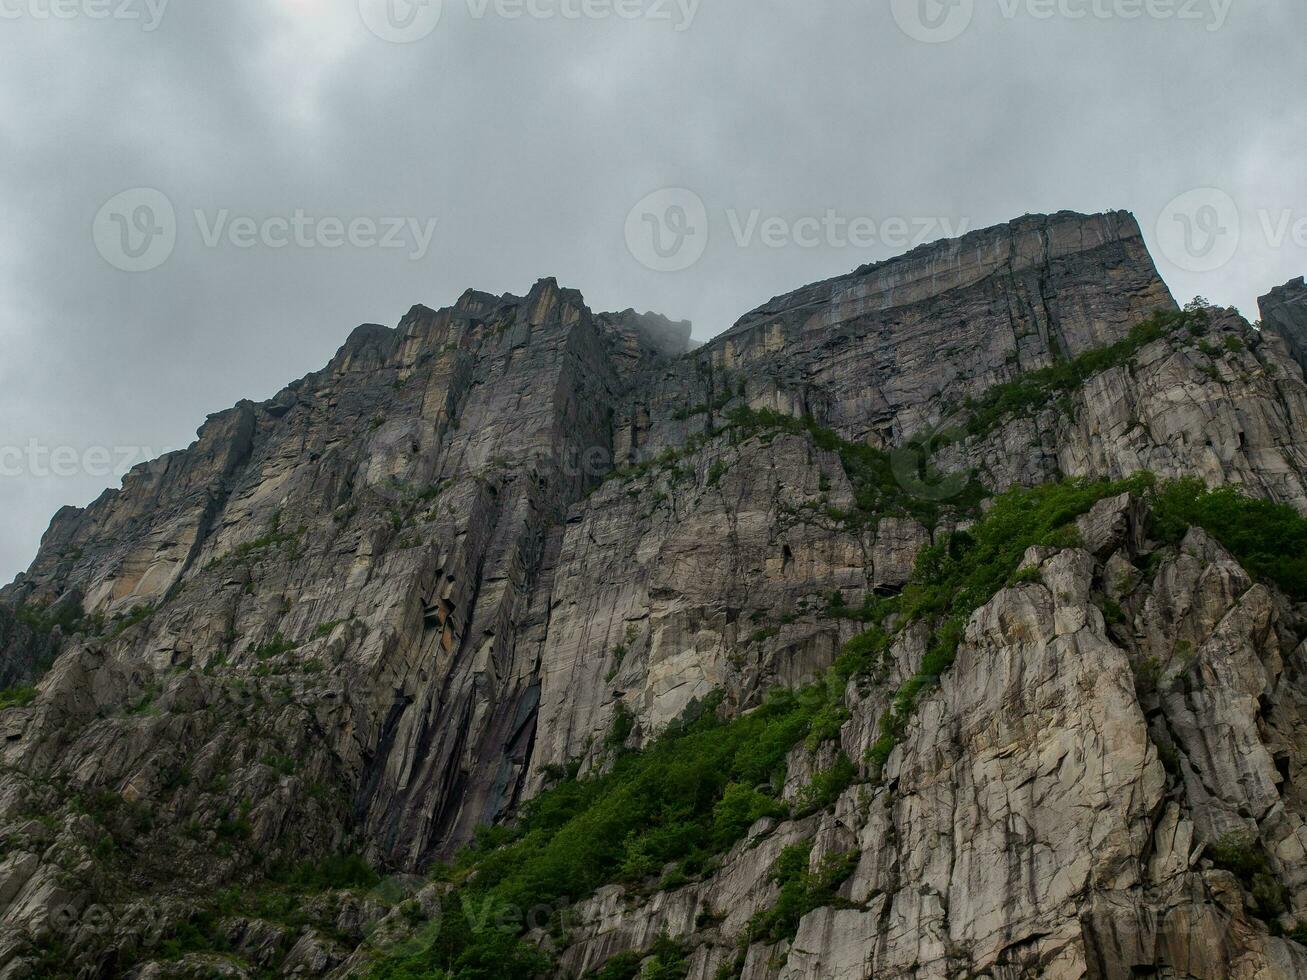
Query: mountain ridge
510,541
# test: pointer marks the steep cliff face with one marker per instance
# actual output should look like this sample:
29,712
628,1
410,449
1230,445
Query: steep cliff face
507,540
1284,313
883,352
1045,810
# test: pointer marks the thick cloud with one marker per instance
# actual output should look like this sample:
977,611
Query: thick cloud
529,139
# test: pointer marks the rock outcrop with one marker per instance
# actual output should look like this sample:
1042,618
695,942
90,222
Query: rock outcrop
389,605
1284,313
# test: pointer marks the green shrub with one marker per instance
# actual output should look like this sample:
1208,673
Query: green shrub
827,785
198,934
275,647
40,618
622,727
339,871
1241,853
801,891
668,961
1035,390
623,966
957,576
878,489
739,809
137,615
1268,539
694,791
17,697
683,799
862,654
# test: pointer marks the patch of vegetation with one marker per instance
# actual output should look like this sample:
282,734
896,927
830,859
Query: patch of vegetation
137,615
866,652
704,408
1148,675
145,704
694,791
1270,540
667,960
665,462
622,649
688,796
340,871
801,891
1035,390
326,629
956,577
827,785
1113,613
198,934
17,697
622,727
1242,855
275,647
43,619
281,900
250,551
283,765
880,488
623,966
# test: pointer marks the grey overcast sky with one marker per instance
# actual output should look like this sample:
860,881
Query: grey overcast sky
532,132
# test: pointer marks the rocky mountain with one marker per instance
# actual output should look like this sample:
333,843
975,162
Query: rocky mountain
891,633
